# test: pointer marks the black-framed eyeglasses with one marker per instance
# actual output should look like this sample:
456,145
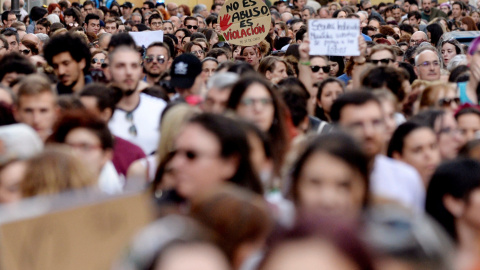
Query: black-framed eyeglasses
96,60
25,52
384,61
325,69
150,58
132,129
192,26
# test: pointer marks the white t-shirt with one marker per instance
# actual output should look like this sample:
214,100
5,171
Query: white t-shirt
145,119
398,181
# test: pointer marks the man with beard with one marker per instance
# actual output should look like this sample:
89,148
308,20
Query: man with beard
70,58
360,114
157,60
429,12
137,116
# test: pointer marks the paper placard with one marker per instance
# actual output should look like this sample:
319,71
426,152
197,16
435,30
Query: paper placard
145,38
334,37
244,22
89,236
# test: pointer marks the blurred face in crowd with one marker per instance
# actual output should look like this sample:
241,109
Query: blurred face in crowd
67,69
38,111
469,125
88,9
448,52
388,108
365,123
40,29
279,72
198,51
10,178
329,185
180,35
125,70
216,100
397,14
368,7
111,28
88,148
252,56
10,19
383,58
168,28
256,105
191,25
156,24
156,61
413,21
97,60
420,150
375,24
320,69
456,11
25,50
12,43
426,6
197,164
448,136
448,99
93,26
330,93
208,69
428,66
334,68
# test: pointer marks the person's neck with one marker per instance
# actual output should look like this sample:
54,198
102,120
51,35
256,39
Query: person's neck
467,236
472,90
152,79
79,85
129,103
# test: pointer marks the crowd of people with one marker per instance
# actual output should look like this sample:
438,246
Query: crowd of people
347,162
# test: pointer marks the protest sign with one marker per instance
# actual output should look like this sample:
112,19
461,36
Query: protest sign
89,236
145,38
334,37
244,22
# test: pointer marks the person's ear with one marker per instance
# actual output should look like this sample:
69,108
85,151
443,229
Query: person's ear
453,205
82,63
268,75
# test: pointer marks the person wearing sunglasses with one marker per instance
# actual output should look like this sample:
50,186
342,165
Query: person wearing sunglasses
28,48
191,23
440,96
383,55
320,68
98,58
156,61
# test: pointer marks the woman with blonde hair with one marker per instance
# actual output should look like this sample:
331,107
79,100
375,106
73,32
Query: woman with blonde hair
53,171
440,96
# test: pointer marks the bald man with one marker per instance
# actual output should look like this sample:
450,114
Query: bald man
172,9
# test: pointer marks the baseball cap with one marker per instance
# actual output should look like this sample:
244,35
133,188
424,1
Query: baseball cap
184,70
127,4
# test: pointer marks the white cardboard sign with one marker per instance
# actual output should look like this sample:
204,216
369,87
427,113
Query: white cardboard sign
334,37
146,38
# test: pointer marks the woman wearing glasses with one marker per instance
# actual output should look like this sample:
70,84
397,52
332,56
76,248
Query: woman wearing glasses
440,96
98,58
320,68
254,99
28,48
196,49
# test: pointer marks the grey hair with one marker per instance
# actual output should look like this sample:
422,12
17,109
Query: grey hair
457,60
222,80
424,46
198,8
43,37
53,18
310,9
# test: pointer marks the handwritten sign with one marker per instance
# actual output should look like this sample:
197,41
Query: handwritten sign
88,236
334,37
145,38
244,22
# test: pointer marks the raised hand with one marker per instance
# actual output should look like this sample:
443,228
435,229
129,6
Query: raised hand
224,25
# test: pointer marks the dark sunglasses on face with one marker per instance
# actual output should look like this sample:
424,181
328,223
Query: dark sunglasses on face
448,101
192,26
25,51
221,44
384,61
150,58
325,69
96,60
